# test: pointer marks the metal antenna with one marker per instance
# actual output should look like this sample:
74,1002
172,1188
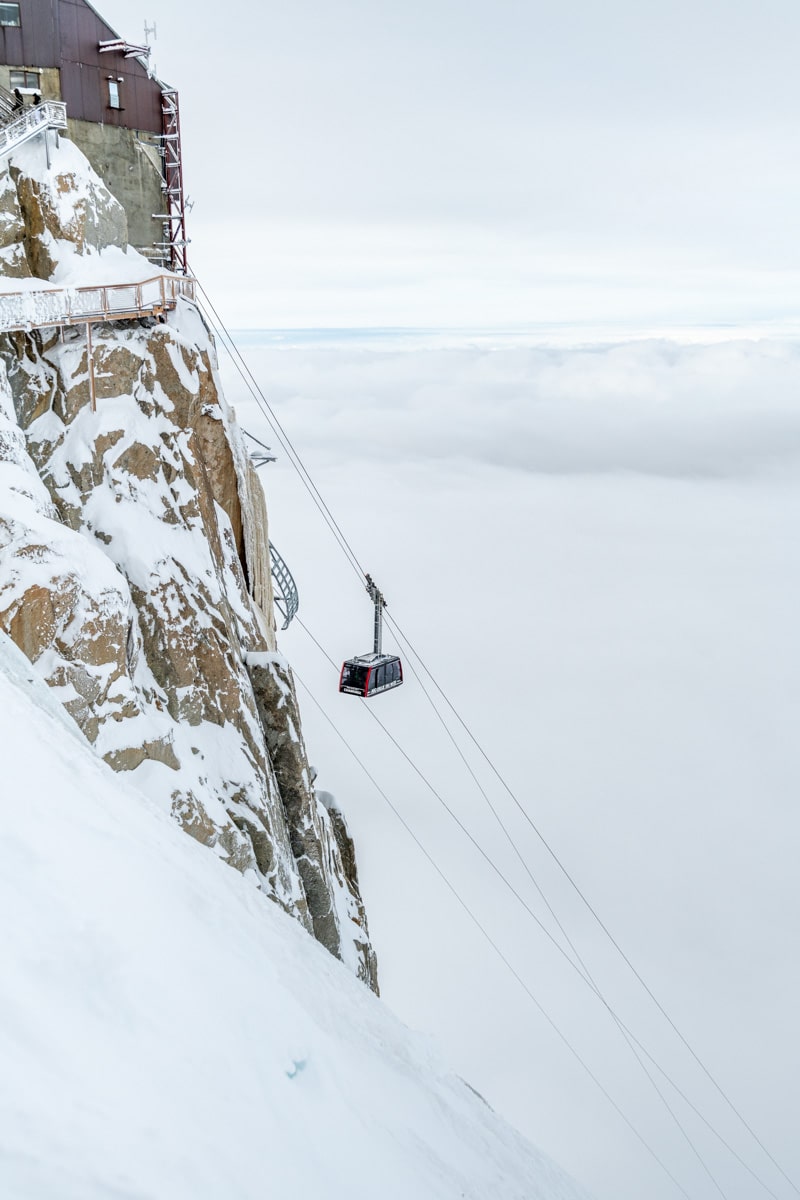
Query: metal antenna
379,602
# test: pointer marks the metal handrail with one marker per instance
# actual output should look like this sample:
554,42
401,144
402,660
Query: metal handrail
50,114
46,307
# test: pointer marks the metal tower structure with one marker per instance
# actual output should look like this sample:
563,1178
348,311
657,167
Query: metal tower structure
175,240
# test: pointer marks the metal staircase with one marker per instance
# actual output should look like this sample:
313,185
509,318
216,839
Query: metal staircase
50,114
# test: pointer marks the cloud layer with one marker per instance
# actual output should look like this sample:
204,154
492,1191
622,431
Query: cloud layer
653,407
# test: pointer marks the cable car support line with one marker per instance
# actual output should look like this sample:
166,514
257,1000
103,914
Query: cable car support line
410,648
488,937
255,391
633,1042
630,1038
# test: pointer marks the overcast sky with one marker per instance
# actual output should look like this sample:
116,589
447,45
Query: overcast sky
477,163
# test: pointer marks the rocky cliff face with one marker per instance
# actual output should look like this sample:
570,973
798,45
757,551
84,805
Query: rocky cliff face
134,565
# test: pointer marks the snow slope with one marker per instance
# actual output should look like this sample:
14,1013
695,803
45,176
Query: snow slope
167,1033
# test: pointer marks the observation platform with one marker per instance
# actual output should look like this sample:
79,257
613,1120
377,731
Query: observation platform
43,308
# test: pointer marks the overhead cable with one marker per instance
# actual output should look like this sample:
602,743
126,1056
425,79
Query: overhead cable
256,392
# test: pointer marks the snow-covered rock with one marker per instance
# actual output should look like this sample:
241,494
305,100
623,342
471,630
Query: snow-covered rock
134,567
63,203
166,1034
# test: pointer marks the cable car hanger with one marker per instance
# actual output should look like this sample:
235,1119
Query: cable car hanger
368,675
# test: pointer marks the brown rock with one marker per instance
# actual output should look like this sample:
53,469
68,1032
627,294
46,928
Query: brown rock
316,845
82,212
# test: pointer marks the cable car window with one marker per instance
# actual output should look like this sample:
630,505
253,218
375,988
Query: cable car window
395,670
381,680
9,15
354,675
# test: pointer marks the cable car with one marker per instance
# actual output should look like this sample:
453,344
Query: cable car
368,675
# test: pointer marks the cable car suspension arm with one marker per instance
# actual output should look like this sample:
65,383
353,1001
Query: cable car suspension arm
377,599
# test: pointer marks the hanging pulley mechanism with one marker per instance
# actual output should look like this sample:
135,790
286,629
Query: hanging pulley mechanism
370,674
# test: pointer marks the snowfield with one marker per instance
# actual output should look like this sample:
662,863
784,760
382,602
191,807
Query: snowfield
165,1032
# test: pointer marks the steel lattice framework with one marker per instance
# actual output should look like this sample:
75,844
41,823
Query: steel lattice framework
287,599
175,240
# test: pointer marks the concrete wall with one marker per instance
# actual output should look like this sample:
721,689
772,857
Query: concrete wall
129,163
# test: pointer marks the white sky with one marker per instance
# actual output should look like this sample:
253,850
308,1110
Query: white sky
485,164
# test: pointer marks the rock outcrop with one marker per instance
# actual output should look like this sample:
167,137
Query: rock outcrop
63,204
13,259
134,568
320,843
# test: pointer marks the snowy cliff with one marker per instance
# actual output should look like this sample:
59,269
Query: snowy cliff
134,563
164,1030
164,1033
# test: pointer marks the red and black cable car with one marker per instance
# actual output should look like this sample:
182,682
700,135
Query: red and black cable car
368,675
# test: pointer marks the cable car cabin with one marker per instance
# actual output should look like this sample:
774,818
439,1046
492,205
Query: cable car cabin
370,674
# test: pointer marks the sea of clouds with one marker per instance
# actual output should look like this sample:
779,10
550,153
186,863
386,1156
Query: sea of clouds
650,406
595,549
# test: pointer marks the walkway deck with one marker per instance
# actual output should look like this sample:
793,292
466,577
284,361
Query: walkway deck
50,307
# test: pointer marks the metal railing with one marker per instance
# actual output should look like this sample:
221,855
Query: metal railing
286,596
50,114
46,307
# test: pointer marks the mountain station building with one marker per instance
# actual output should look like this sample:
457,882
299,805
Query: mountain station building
124,119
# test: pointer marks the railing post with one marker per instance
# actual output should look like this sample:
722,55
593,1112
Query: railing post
90,357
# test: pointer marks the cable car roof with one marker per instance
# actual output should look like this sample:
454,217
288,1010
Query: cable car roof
372,660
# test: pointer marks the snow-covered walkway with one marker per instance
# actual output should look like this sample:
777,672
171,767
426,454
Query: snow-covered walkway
46,306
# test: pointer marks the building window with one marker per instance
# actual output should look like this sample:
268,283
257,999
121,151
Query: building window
113,94
9,14
25,79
